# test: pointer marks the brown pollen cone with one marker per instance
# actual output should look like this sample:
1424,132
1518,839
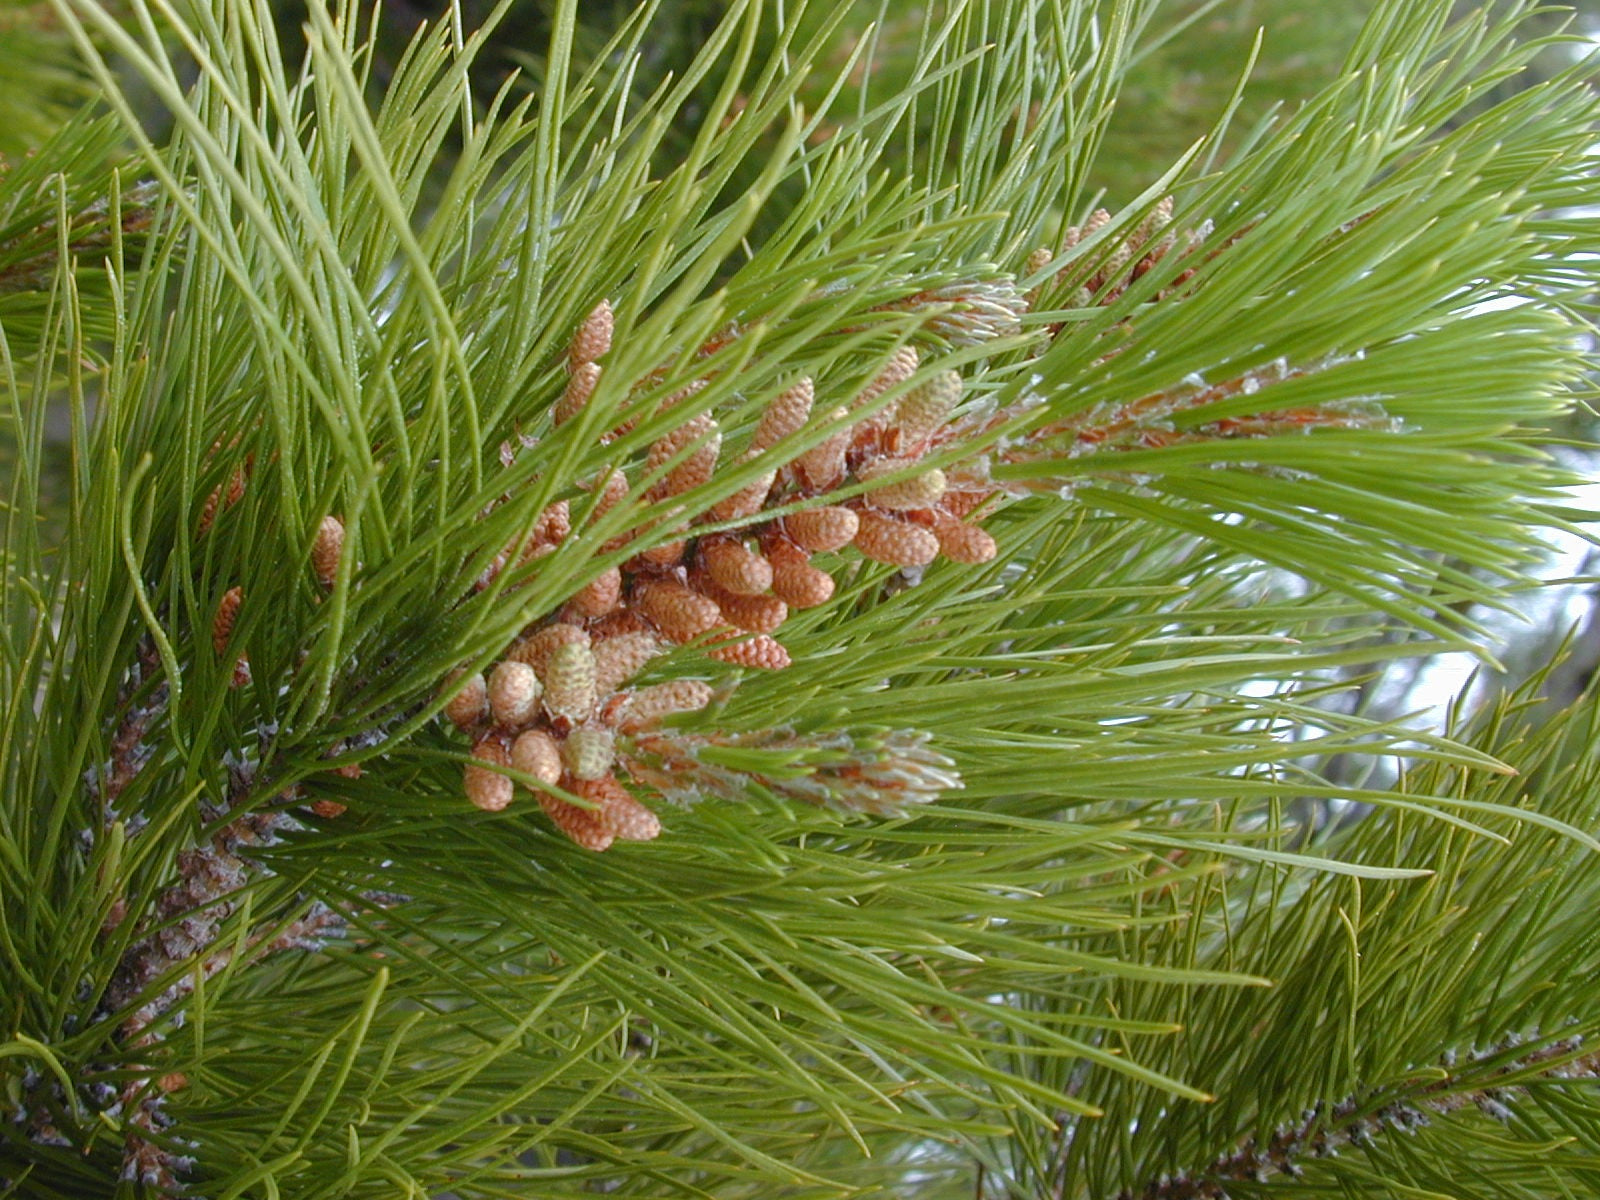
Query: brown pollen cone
680,614
822,529
748,500
620,814
584,826
822,467
225,495
760,652
699,464
888,539
575,396
227,614
222,633
598,597
514,690
734,566
786,415
755,614
486,788
794,580
902,365
538,754
593,337
918,491
619,657
665,554
553,525
326,549
961,542
470,705
613,491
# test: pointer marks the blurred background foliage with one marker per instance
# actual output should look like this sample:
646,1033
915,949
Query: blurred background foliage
39,82
1193,62
1191,65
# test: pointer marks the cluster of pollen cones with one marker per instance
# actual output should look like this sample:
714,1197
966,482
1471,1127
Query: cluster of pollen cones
327,547
1124,262
552,709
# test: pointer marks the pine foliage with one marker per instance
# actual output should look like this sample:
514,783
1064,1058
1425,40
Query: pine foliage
1000,860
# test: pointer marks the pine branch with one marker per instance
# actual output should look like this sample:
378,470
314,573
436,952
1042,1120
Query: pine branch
1396,1005
358,459
1355,1122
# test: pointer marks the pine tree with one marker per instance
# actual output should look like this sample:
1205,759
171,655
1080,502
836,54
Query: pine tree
758,638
